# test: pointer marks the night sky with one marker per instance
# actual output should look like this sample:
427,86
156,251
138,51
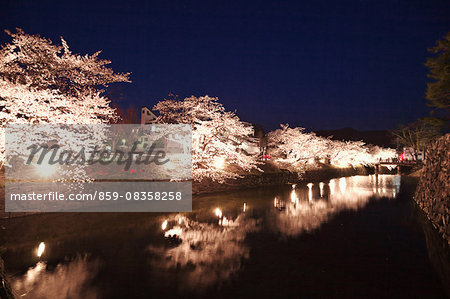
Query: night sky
315,64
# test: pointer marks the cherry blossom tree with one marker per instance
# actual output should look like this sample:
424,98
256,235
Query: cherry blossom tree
352,153
294,149
36,62
378,153
349,153
216,133
42,82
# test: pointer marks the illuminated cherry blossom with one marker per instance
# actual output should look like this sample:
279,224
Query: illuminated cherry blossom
293,148
216,137
41,82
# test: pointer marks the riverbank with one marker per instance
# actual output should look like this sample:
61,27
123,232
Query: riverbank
273,176
433,190
52,226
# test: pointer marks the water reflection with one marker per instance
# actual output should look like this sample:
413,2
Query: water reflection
66,280
202,249
332,185
41,249
208,252
308,211
321,184
342,185
203,253
309,192
164,225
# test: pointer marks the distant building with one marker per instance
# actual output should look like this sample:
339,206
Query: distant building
169,144
252,144
147,116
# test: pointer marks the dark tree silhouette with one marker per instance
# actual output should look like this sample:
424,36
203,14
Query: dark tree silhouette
438,91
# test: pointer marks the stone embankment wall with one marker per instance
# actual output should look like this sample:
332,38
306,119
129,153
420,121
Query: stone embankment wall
433,191
5,289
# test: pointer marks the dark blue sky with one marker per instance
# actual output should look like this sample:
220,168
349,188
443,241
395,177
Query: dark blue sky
316,64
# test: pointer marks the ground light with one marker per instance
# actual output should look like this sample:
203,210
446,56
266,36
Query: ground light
41,249
45,169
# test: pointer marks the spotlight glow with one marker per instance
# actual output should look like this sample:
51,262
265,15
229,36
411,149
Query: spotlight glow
219,163
45,169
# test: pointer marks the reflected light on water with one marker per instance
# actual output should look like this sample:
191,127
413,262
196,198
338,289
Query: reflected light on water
342,185
70,279
293,196
33,272
396,182
307,215
41,249
203,250
196,253
207,249
310,195
321,184
332,186
164,225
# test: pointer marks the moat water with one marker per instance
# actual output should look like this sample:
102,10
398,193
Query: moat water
360,236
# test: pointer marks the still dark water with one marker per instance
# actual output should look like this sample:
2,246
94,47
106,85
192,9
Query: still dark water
358,236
